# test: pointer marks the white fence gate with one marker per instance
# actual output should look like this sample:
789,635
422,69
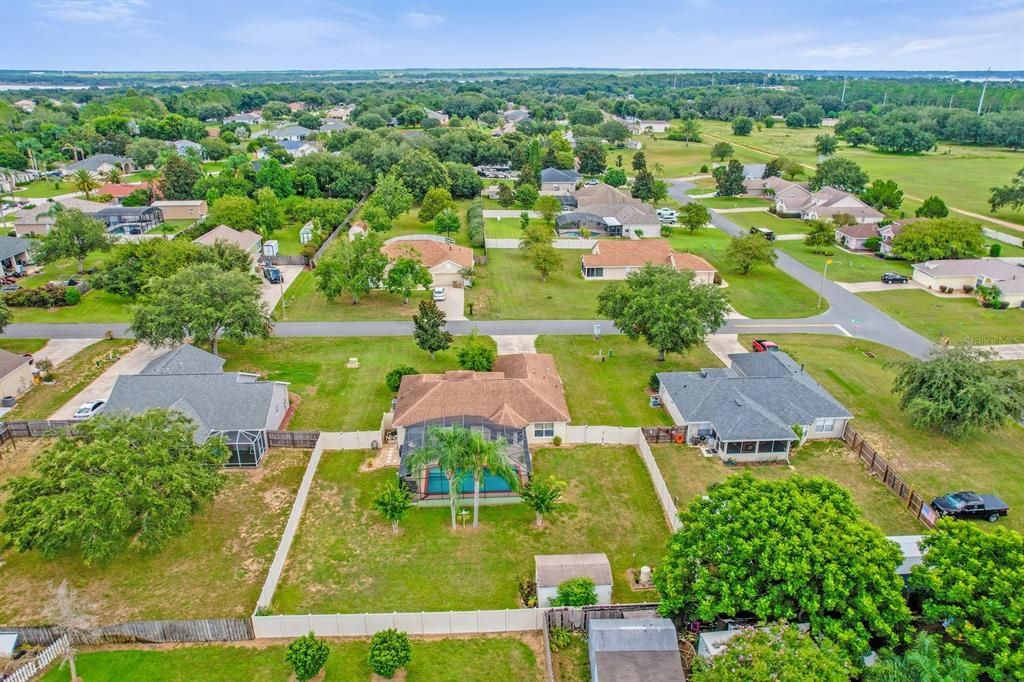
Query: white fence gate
39,663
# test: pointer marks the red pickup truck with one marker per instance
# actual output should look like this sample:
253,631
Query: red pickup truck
764,345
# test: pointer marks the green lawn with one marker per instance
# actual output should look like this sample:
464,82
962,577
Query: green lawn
765,292
408,223
332,396
288,239
769,220
677,159
508,288
572,664
73,375
845,266
688,474
44,189
216,569
507,228
22,345
507,658
957,319
346,560
305,304
172,226
734,202
95,306
988,461
613,391
65,269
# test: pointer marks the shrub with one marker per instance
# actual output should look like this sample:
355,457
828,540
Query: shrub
704,168
576,592
48,296
389,651
943,288
528,591
556,441
968,288
394,378
307,656
995,250
475,223
653,382
72,296
560,638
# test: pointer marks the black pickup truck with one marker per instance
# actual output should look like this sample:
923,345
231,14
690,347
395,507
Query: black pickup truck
970,505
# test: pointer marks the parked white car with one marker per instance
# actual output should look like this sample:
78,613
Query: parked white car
439,293
88,409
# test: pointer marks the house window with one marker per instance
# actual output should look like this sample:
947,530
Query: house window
593,272
544,430
825,426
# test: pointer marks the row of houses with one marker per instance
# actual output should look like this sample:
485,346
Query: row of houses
36,221
796,199
600,209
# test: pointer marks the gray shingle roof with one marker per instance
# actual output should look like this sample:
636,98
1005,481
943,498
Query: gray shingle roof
93,162
558,175
554,569
186,359
11,361
12,246
289,131
633,634
634,650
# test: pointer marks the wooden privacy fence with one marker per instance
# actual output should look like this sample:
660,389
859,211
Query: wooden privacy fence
33,429
305,440
878,466
577,618
340,229
38,664
146,632
285,260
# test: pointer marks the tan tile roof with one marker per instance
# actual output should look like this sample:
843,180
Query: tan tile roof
430,252
859,231
243,239
523,388
118,191
640,252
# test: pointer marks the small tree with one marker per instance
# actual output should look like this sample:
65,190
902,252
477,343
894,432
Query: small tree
745,252
393,379
924,661
307,656
821,237
446,222
377,218
576,592
543,497
436,201
406,274
506,197
883,194
353,266
772,169
475,353
840,173
390,650
729,179
722,151
73,235
83,181
616,177
393,500
549,207
526,196
826,145
66,613
777,652
545,259
742,125
392,195
486,456
695,216
932,207
268,214
428,328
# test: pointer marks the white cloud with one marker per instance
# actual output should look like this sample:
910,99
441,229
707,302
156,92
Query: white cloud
93,11
839,52
924,44
421,21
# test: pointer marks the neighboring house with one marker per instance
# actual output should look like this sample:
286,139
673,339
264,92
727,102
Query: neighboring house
439,116
358,229
182,147
797,200
29,222
247,240
606,212
334,125
551,570
300,149
118,190
14,255
557,181
514,117
751,412
296,106
634,144
446,262
341,113
187,209
10,178
634,650
26,105
712,643
642,127
98,164
855,237
614,260
233,405
520,402
15,373
130,219
251,118
293,133
889,232
974,272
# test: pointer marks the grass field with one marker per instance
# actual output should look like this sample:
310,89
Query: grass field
95,306
64,269
677,159
332,396
44,189
346,560
509,288
765,292
408,223
769,220
613,391
74,374
508,658
987,461
734,202
958,319
507,228
214,570
288,239
305,303
845,266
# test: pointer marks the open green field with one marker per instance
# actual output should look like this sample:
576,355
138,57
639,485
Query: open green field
770,220
958,319
677,159
508,288
333,397
288,239
614,390
765,292
346,560
214,570
306,304
961,175
845,266
44,189
73,375
987,461
507,658
688,474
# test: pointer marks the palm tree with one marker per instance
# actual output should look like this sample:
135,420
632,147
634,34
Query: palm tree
690,130
922,662
83,181
485,455
149,177
444,448
114,175
543,497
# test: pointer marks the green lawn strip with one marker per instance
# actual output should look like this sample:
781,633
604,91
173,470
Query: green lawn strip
845,266
508,228
22,345
765,292
509,288
44,189
172,226
572,664
305,304
332,396
958,319
688,474
73,375
770,220
95,306
507,658
986,461
613,391
216,569
346,560
734,202
288,239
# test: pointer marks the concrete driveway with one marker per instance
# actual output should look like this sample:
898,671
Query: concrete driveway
509,344
722,345
865,287
271,293
454,303
59,350
131,363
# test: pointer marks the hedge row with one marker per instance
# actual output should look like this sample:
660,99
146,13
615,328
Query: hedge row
49,296
475,220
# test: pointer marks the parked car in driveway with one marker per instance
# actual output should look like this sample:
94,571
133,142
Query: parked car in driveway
970,505
273,275
764,232
438,293
764,346
88,409
894,278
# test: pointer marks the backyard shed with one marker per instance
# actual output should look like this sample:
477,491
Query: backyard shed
634,650
551,570
306,233
8,644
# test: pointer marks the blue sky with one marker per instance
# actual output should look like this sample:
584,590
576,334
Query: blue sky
310,34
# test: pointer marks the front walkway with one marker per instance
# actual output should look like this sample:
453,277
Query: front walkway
515,343
131,363
1009,351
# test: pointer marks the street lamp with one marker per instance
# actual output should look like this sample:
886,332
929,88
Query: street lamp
824,275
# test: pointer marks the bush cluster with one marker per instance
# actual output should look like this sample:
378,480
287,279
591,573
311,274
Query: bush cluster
49,296
475,220
390,650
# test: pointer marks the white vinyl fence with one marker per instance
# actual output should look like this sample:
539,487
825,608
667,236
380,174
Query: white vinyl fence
668,505
349,440
39,663
423,623
1001,237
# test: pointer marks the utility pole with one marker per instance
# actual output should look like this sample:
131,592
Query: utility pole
843,98
984,87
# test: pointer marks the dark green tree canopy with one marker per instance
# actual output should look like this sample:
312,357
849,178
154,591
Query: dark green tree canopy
778,652
939,238
840,173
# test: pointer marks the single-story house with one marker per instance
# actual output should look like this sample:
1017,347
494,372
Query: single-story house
182,147
641,127
237,406
634,650
854,237
11,178
299,149
334,125
251,118
520,401
341,113
186,209
634,144
14,255
514,117
247,240
889,232
294,133
296,106
611,260
446,262
130,219
34,221
754,411
974,272
796,199
551,570
556,181
26,105
618,214
118,190
99,163
15,373
439,116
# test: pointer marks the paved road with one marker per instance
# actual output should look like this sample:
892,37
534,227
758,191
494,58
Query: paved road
846,311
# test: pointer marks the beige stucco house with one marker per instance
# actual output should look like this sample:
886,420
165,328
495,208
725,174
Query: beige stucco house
615,259
446,262
183,210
